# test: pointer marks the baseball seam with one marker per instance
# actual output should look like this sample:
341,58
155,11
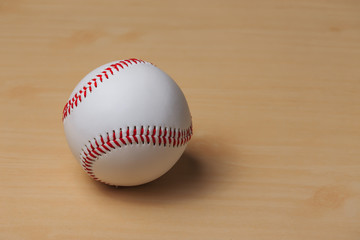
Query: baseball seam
156,135
95,81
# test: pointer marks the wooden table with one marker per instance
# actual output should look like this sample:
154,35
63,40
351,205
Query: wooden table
274,91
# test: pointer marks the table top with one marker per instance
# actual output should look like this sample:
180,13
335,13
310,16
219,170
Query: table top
273,88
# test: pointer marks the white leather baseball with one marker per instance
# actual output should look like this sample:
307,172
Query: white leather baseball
127,122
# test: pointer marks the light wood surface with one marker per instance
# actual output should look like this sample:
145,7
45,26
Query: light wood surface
274,91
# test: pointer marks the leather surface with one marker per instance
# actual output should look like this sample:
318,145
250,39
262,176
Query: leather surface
138,95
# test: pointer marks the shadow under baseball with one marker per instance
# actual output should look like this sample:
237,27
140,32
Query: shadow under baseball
193,176
186,179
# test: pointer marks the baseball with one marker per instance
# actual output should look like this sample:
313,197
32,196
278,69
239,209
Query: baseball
127,123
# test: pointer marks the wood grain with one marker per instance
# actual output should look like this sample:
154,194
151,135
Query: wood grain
273,87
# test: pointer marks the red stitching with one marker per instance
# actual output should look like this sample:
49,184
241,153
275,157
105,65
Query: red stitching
121,137
171,138
76,99
159,136
108,142
147,135
164,137
142,135
123,62
128,135
153,135
134,136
